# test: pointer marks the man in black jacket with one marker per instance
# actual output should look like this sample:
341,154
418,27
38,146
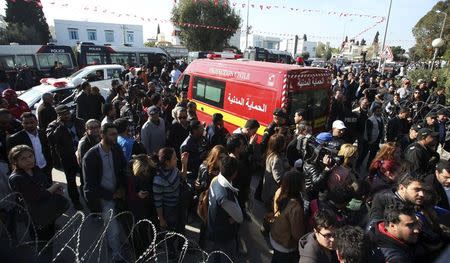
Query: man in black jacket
421,154
397,126
46,112
64,133
37,140
440,183
89,140
410,191
83,103
280,119
195,145
104,168
216,133
397,234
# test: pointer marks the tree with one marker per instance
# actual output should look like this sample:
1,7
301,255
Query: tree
26,23
150,44
321,49
429,28
376,38
204,13
363,42
305,55
398,53
305,38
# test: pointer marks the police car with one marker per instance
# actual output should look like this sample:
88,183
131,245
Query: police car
98,75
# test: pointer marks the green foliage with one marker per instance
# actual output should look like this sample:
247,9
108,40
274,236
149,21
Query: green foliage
150,44
305,55
376,38
205,13
324,52
429,28
26,23
425,74
398,52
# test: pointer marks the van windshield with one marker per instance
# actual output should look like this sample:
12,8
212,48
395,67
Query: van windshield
315,103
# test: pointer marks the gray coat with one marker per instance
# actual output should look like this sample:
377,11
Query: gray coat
153,136
276,166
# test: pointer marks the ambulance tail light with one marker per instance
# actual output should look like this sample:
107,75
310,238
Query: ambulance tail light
214,56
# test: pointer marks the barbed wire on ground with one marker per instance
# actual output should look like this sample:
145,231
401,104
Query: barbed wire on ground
72,236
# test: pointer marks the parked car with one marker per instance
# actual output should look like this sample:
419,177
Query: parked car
99,76
318,63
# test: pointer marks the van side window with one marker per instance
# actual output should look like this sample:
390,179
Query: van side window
209,91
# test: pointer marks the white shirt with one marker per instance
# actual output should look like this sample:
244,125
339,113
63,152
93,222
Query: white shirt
174,75
37,148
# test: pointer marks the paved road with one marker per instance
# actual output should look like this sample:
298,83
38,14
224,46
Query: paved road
253,246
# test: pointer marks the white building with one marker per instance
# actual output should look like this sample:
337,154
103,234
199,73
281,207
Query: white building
352,50
69,32
235,40
260,41
302,46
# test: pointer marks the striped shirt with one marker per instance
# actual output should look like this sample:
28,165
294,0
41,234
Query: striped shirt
166,188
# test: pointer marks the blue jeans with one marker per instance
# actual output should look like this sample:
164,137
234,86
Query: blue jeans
115,235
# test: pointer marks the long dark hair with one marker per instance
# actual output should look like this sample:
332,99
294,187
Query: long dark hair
276,145
292,184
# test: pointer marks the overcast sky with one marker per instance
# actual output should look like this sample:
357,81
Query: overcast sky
318,26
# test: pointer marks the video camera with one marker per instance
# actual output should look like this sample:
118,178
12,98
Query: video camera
330,148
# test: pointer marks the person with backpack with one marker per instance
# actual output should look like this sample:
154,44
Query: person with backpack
208,170
298,148
288,222
224,212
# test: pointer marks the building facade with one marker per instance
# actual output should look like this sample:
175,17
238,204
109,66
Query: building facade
352,50
302,46
255,40
70,32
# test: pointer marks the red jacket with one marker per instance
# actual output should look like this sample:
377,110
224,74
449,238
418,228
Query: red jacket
18,108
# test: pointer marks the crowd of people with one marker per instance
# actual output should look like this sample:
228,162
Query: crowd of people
374,187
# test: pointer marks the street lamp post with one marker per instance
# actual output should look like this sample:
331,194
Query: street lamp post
380,67
438,42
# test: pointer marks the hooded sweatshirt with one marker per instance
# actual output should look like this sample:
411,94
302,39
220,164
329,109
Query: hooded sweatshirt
311,252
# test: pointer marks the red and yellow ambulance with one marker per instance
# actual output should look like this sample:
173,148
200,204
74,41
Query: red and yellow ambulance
242,90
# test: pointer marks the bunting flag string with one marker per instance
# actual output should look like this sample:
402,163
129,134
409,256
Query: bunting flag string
263,7
260,6
106,11
369,28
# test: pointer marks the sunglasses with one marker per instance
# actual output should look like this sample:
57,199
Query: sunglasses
327,236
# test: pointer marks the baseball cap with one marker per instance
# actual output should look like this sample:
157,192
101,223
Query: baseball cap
61,109
338,125
324,137
280,113
424,132
416,127
153,110
431,115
